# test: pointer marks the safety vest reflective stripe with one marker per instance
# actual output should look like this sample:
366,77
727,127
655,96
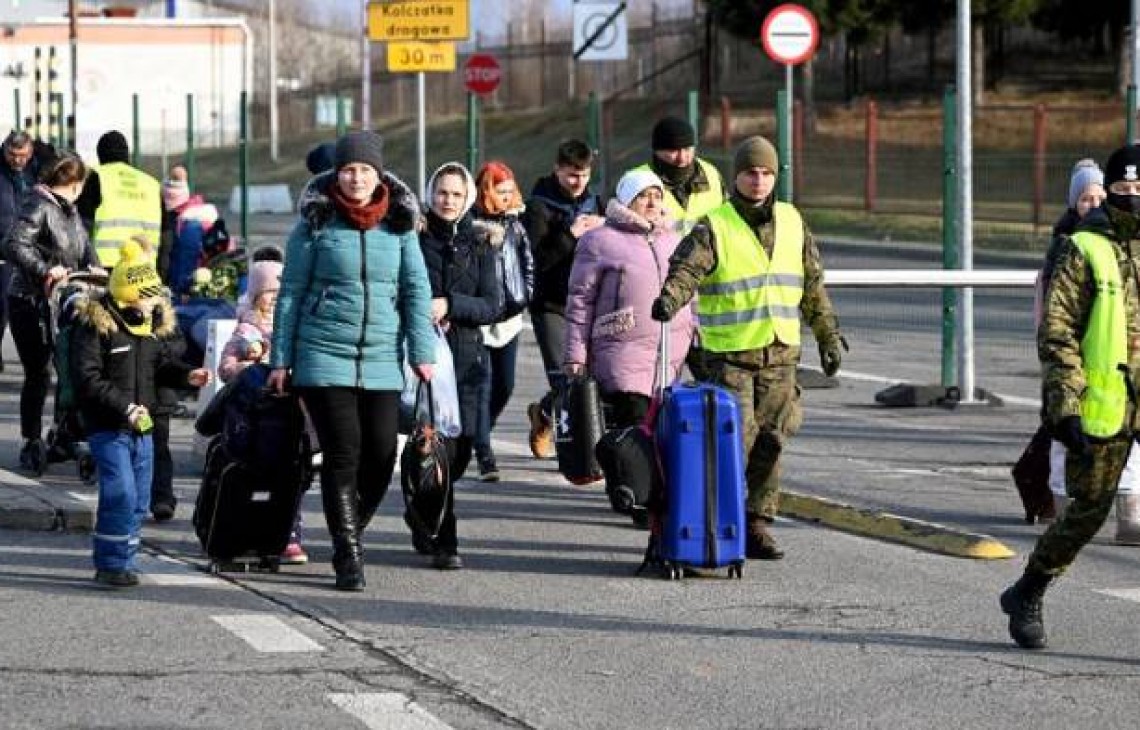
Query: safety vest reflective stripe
700,203
1104,346
750,300
732,287
130,206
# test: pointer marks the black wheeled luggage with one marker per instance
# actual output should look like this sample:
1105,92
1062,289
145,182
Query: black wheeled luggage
257,469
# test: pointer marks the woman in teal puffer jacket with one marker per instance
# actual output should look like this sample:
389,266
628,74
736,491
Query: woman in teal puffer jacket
353,292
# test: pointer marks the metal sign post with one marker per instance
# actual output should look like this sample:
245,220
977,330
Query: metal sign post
790,35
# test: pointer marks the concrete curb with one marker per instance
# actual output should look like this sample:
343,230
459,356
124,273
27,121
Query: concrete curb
26,504
929,536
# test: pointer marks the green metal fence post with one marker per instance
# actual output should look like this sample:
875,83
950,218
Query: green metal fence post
593,122
695,113
949,231
243,167
1130,116
189,162
16,105
472,131
784,144
341,121
135,130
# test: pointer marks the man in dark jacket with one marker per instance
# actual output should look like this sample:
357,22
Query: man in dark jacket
562,208
17,176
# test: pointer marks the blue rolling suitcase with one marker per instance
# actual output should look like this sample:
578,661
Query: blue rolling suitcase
701,522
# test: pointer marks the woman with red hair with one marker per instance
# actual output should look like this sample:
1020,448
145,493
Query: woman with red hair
497,209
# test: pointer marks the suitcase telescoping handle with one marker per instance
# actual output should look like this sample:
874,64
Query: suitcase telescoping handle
661,376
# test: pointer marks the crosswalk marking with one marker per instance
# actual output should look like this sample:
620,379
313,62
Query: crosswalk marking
267,633
387,710
1128,594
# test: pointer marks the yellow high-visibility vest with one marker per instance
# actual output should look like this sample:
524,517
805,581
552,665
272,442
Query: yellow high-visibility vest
1105,342
700,203
750,300
131,205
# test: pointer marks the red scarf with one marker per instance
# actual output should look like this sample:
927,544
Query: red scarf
362,217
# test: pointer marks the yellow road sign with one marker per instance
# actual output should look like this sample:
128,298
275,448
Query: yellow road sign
419,20
418,56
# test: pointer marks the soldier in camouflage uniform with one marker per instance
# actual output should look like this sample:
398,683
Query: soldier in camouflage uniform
1089,346
758,272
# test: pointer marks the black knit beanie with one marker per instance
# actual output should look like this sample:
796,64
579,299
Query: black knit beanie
1123,164
673,133
112,147
366,147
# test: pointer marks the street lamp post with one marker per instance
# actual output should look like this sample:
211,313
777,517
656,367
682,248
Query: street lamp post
273,130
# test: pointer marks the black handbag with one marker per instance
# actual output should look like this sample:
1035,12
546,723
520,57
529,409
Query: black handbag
425,469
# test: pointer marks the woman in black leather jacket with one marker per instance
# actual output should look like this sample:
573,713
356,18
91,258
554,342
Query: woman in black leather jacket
47,242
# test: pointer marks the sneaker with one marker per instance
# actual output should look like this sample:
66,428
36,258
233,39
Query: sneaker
541,434
488,472
117,578
162,511
446,561
294,554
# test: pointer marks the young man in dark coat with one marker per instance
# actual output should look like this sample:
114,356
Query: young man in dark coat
562,208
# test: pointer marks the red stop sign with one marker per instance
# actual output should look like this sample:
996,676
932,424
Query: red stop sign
481,74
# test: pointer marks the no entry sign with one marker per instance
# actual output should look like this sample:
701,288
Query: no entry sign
790,34
481,74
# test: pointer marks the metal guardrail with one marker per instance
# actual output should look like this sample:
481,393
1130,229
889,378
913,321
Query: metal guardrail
929,278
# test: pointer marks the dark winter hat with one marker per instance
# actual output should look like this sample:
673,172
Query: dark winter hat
366,147
755,152
321,158
1124,164
112,147
673,133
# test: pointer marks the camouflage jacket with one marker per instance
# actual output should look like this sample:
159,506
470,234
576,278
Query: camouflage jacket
695,259
1068,302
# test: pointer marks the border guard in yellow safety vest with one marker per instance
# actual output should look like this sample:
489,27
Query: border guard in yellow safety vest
759,275
693,186
120,201
1089,347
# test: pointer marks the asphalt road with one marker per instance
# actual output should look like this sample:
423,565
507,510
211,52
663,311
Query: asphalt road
548,627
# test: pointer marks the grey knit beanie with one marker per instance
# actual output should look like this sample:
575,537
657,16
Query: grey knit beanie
1085,173
366,147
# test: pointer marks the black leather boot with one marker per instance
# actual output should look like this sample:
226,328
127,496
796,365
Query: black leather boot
1022,602
348,557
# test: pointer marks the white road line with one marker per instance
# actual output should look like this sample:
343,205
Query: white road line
267,633
1128,594
387,711
187,580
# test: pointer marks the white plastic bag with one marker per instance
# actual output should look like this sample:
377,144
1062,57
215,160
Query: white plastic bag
444,391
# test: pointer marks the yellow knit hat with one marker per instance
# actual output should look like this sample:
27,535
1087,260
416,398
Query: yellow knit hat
134,277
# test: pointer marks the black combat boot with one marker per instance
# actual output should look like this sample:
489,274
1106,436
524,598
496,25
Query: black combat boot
1022,603
759,543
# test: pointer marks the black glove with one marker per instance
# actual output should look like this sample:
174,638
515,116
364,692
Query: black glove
829,355
1070,432
660,311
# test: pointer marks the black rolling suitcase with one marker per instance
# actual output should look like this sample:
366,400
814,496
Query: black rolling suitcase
256,472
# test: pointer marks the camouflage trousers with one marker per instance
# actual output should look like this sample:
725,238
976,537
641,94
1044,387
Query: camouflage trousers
1091,484
770,409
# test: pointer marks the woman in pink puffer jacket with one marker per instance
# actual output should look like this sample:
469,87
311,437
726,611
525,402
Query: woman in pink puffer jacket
618,271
